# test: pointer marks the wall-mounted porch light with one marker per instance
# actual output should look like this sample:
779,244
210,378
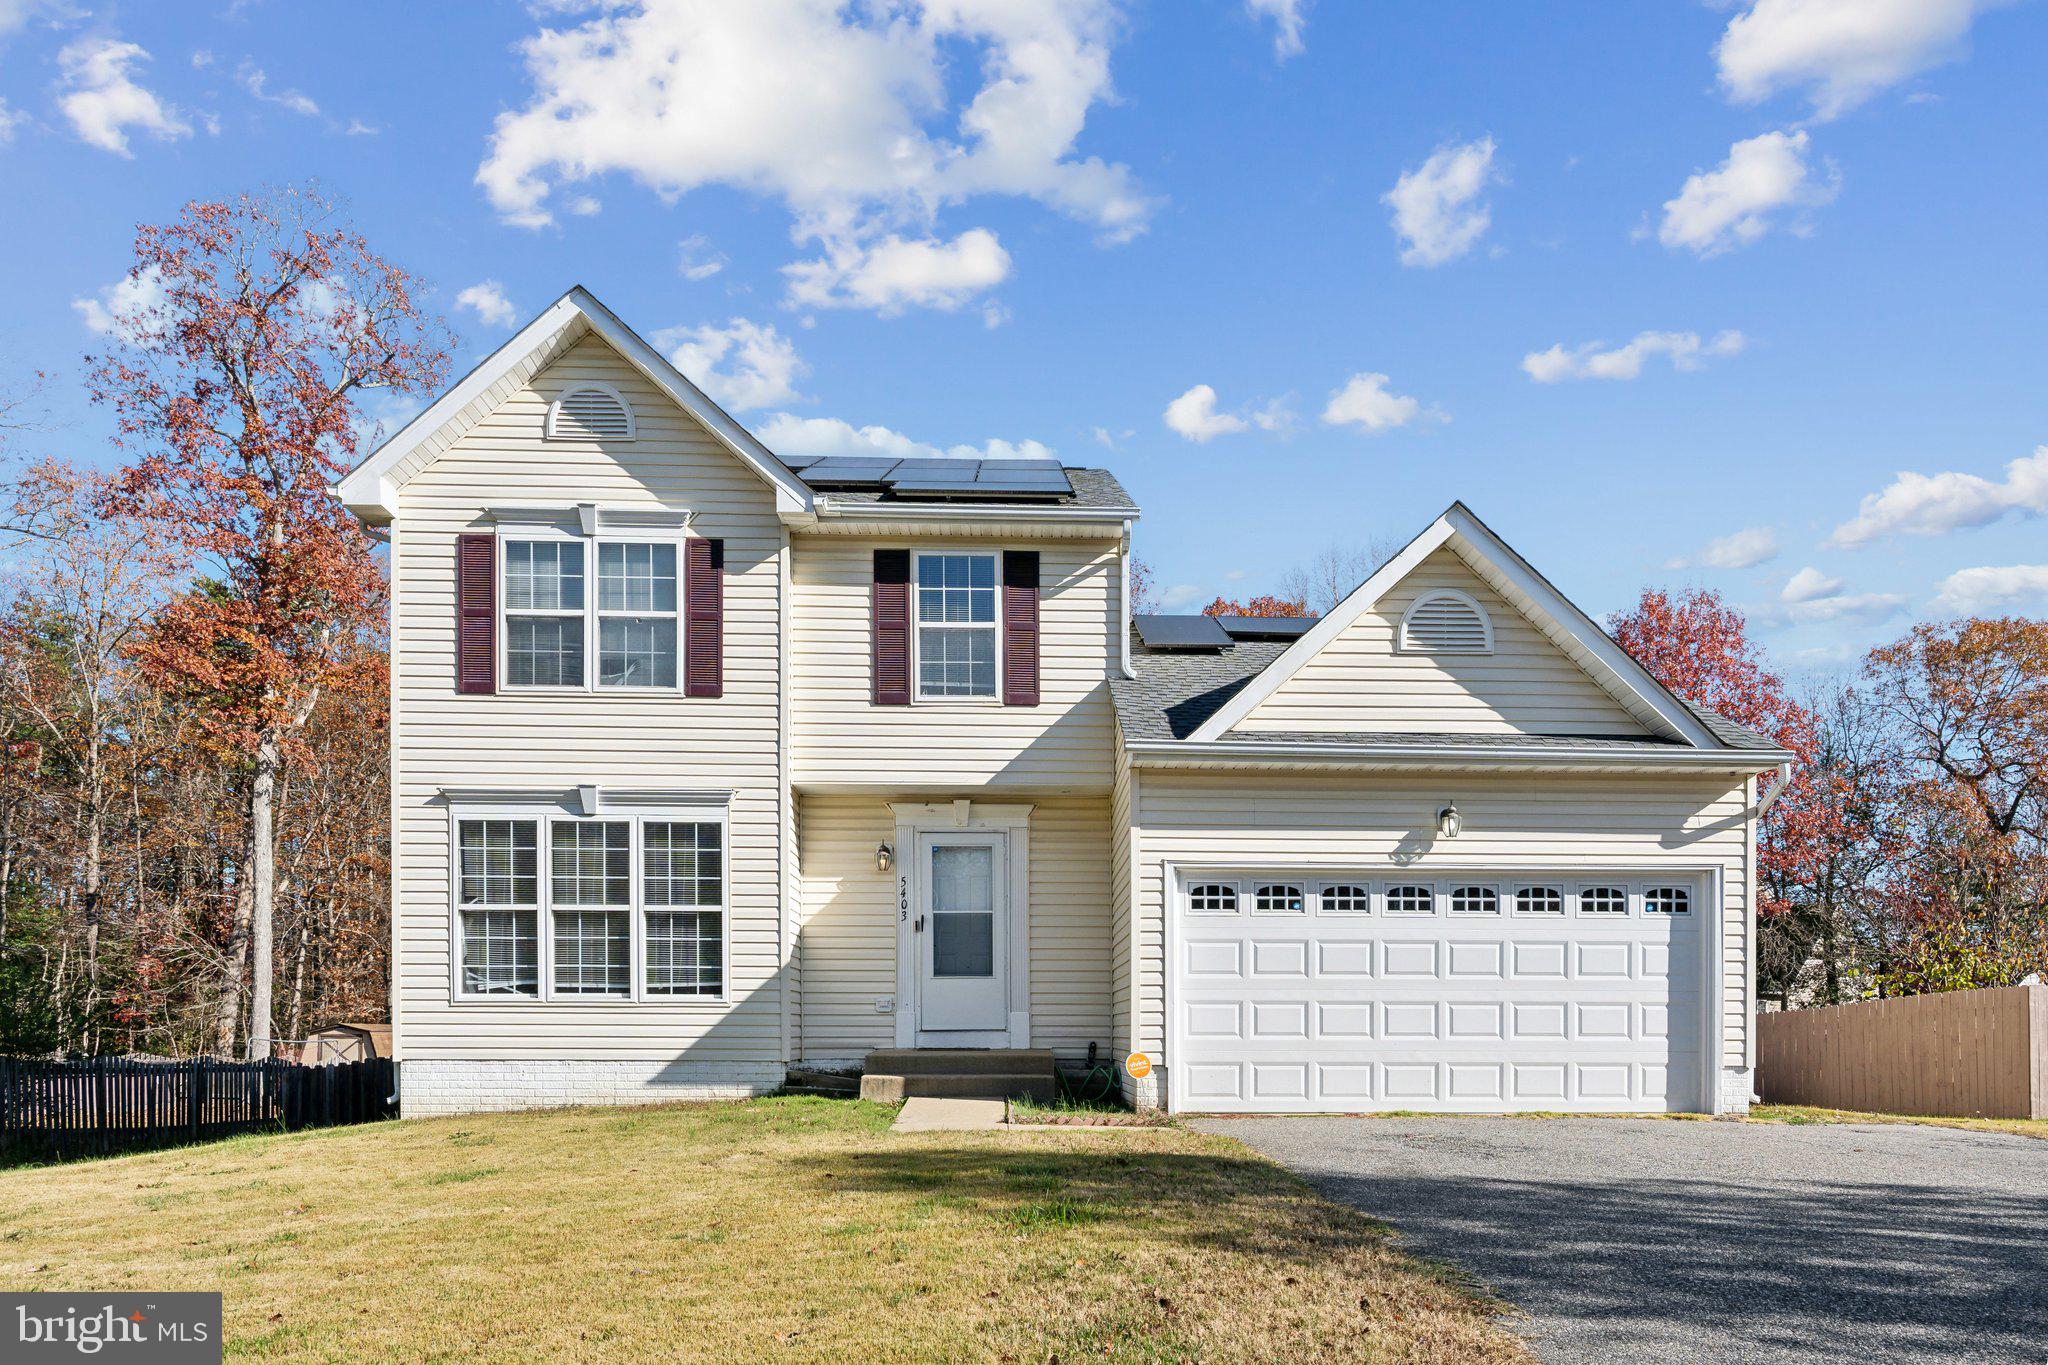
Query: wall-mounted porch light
1449,822
885,857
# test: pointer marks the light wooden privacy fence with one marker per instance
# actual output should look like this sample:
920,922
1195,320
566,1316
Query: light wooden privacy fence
1969,1053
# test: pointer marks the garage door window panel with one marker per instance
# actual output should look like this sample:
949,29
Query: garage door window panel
1539,899
1279,898
1667,901
1344,898
1471,898
1603,900
1213,898
1411,898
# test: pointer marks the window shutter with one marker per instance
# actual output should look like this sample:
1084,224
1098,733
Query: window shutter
892,628
703,617
1020,628
476,613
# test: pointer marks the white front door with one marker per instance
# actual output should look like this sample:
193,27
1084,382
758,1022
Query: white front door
962,944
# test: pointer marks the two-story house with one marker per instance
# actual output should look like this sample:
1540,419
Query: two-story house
708,763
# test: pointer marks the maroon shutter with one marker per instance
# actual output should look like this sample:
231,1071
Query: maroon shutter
704,617
1020,628
892,628
476,613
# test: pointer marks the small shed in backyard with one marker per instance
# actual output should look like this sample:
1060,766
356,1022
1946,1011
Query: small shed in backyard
352,1042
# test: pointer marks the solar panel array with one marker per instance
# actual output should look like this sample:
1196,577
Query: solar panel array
948,477
1267,627
1181,632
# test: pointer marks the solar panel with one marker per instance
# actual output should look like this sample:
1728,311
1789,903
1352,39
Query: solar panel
800,461
1267,627
1181,632
1020,476
850,469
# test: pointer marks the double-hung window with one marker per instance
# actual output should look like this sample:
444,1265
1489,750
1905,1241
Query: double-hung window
498,894
956,626
561,907
544,613
585,612
683,888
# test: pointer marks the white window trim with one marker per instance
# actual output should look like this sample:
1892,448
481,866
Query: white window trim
546,810
1403,645
917,627
589,386
592,616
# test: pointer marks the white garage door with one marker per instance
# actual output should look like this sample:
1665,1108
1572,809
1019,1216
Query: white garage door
1483,993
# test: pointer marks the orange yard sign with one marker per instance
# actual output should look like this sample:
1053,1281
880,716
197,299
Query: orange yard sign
1139,1065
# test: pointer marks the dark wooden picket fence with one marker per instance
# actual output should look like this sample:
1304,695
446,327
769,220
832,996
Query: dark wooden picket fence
99,1105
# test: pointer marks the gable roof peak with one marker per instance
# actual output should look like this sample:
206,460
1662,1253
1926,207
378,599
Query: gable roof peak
370,490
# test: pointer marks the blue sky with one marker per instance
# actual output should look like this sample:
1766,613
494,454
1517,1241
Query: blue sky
1668,293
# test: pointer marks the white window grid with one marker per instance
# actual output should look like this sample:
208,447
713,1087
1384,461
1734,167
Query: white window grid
1468,898
1213,898
674,952
956,618
1344,898
1541,899
1667,900
1279,898
497,889
603,630
1603,899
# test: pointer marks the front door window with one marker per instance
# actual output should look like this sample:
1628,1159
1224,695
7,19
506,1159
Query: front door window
963,955
963,911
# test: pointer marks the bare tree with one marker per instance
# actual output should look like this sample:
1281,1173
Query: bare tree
1329,576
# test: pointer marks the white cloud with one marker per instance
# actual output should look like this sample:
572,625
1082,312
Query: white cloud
487,300
1932,505
16,15
1972,592
1364,402
1180,595
1595,360
893,273
855,116
1437,210
257,83
127,309
1193,415
1809,583
1844,50
10,119
698,260
358,128
1811,596
1289,18
787,434
743,365
102,100
1741,200
1744,549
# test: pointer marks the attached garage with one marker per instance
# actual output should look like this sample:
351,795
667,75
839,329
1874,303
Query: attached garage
1316,990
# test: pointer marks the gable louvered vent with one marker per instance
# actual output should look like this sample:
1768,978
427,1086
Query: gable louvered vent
1446,623
591,413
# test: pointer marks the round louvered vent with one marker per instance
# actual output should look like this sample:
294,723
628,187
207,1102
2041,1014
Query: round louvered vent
1446,623
590,414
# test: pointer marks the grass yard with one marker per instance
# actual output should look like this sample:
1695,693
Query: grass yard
784,1228
1799,1113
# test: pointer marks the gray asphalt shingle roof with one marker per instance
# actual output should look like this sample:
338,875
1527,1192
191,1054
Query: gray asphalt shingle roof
1175,691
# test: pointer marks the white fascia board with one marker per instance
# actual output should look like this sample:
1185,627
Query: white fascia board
1167,753
1329,628
368,490
1613,668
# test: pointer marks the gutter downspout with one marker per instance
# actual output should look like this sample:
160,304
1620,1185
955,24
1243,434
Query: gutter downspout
1123,636
1777,789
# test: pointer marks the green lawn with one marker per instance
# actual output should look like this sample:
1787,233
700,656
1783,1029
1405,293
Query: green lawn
787,1228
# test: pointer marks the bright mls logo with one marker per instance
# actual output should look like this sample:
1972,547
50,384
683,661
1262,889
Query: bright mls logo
169,1329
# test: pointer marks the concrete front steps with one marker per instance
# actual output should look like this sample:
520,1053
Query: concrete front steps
897,1074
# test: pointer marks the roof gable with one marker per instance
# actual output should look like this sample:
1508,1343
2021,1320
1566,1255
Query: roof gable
1510,580
370,490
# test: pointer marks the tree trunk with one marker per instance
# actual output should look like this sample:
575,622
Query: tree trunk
238,957
263,885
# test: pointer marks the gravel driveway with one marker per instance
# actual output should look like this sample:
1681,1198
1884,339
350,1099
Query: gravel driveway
1628,1239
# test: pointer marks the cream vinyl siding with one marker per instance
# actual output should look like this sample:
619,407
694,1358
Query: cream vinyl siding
1361,682
555,740
1248,820
1063,745
1123,852
847,918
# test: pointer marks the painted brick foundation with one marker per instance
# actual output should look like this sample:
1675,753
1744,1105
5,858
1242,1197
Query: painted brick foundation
427,1086
1738,1085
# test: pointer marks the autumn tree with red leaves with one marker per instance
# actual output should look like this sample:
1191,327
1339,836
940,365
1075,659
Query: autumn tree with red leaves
235,391
1266,604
